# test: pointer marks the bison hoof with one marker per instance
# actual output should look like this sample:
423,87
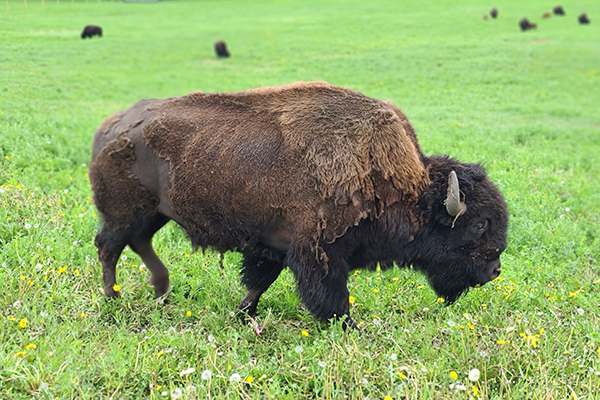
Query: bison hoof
111,293
161,291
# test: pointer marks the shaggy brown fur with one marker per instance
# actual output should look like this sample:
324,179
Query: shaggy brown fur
347,141
311,176
546,15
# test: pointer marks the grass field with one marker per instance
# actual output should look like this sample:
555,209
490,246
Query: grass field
524,104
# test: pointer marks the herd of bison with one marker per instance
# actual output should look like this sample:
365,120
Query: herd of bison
526,25
221,48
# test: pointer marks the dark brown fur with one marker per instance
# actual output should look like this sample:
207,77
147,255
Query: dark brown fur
91,30
312,176
583,19
494,12
546,15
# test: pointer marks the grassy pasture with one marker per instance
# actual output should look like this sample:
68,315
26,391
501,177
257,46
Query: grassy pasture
523,104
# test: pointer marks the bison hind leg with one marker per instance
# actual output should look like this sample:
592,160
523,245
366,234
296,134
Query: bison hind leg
141,243
260,269
110,243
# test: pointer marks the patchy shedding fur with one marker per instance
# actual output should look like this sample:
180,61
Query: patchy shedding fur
309,136
117,192
309,176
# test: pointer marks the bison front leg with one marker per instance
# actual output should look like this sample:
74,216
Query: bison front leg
258,273
323,289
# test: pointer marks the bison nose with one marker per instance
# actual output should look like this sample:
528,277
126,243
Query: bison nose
496,269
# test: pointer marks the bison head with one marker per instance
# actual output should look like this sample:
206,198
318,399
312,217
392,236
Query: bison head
466,222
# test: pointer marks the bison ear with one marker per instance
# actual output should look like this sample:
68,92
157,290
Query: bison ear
454,206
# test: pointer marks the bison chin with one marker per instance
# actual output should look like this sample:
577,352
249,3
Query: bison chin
453,282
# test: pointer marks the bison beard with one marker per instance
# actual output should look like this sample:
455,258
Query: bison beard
317,178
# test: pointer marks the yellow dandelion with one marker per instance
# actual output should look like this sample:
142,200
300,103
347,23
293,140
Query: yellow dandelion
305,333
453,375
31,346
401,375
501,341
250,379
116,287
20,353
440,300
189,313
375,290
351,299
77,272
387,398
23,323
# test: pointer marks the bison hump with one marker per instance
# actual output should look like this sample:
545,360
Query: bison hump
348,138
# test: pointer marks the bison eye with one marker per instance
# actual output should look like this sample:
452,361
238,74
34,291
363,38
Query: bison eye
481,226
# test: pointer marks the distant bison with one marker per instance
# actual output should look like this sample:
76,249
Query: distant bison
546,15
485,17
526,25
91,30
221,49
494,12
583,18
558,10
310,176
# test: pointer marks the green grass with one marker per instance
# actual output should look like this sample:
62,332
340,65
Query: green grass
523,104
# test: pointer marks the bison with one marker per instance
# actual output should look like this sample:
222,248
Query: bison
583,19
494,12
546,15
526,25
91,30
558,10
313,177
221,49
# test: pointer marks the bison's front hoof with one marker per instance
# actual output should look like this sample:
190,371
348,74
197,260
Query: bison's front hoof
111,293
162,287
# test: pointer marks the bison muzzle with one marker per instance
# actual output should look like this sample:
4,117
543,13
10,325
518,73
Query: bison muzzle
313,177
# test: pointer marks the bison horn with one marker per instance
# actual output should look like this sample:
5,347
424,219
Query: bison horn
454,206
